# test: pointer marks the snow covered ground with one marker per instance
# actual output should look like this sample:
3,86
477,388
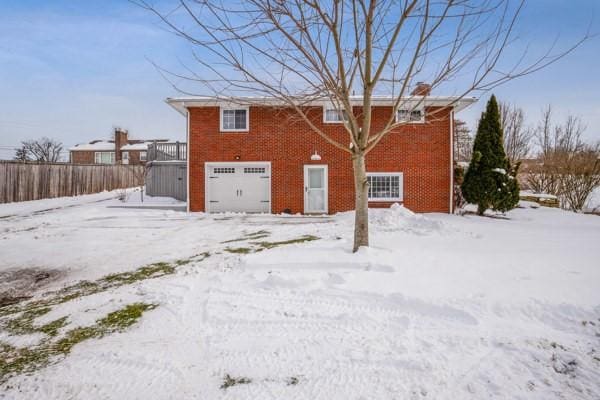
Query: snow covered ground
440,307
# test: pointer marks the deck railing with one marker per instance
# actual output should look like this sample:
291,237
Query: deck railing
167,151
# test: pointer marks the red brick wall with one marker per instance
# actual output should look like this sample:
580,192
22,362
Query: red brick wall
82,157
134,157
420,151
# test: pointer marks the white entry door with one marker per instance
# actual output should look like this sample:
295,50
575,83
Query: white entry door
238,187
315,189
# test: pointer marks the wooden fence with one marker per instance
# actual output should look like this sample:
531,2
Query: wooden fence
167,179
23,181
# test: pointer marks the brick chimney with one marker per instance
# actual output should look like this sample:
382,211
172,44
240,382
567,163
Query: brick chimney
120,140
422,89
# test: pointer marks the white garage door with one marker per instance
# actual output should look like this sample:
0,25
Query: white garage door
238,187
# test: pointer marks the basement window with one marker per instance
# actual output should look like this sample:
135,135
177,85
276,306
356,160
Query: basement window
416,115
235,119
104,157
385,186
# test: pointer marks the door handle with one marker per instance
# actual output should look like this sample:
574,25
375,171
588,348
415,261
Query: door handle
240,192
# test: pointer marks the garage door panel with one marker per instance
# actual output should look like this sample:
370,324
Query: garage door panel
238,187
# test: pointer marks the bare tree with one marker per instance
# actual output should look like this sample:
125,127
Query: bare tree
44,149
302,52
140,173
567,167
21,154
463,142
517,137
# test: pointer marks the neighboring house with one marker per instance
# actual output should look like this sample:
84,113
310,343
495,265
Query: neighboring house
121,150
258,157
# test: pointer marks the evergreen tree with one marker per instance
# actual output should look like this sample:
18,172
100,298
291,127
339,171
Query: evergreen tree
490,181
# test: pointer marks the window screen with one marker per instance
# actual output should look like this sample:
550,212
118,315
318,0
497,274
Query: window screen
234,120
410,116
104,157
385,186
333,115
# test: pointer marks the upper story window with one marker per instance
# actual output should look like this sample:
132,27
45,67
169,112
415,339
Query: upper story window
332,115
142,156
235,119
416,115
385,186
104,157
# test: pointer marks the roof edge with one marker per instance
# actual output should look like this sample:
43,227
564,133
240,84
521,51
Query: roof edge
181,104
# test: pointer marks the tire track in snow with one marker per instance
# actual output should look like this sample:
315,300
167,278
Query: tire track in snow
338,344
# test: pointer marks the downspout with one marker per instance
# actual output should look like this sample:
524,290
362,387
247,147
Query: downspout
451,208
187,155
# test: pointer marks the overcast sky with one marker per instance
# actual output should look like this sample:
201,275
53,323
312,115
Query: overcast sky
72,70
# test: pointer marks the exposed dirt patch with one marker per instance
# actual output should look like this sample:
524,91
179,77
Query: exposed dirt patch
19,284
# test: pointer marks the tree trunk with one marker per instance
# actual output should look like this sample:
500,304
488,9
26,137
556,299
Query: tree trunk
481,209
361,206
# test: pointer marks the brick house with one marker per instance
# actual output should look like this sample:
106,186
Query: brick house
121,150
257,157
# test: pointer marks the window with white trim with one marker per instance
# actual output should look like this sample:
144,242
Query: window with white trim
104,157
385,186
332,115
143,156
235,119
125,156
416,115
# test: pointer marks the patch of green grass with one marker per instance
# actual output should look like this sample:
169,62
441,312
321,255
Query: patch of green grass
15,360
250,236
18,318
197,257
239,250
23,324
302,239
87,288
230,381
150,271
52,328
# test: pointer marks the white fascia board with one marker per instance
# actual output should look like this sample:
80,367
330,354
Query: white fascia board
181,104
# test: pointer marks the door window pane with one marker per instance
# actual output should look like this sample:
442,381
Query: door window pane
315,178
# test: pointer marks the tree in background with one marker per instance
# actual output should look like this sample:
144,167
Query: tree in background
463,141
21,155
517,137
567,166
490,182
43,150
